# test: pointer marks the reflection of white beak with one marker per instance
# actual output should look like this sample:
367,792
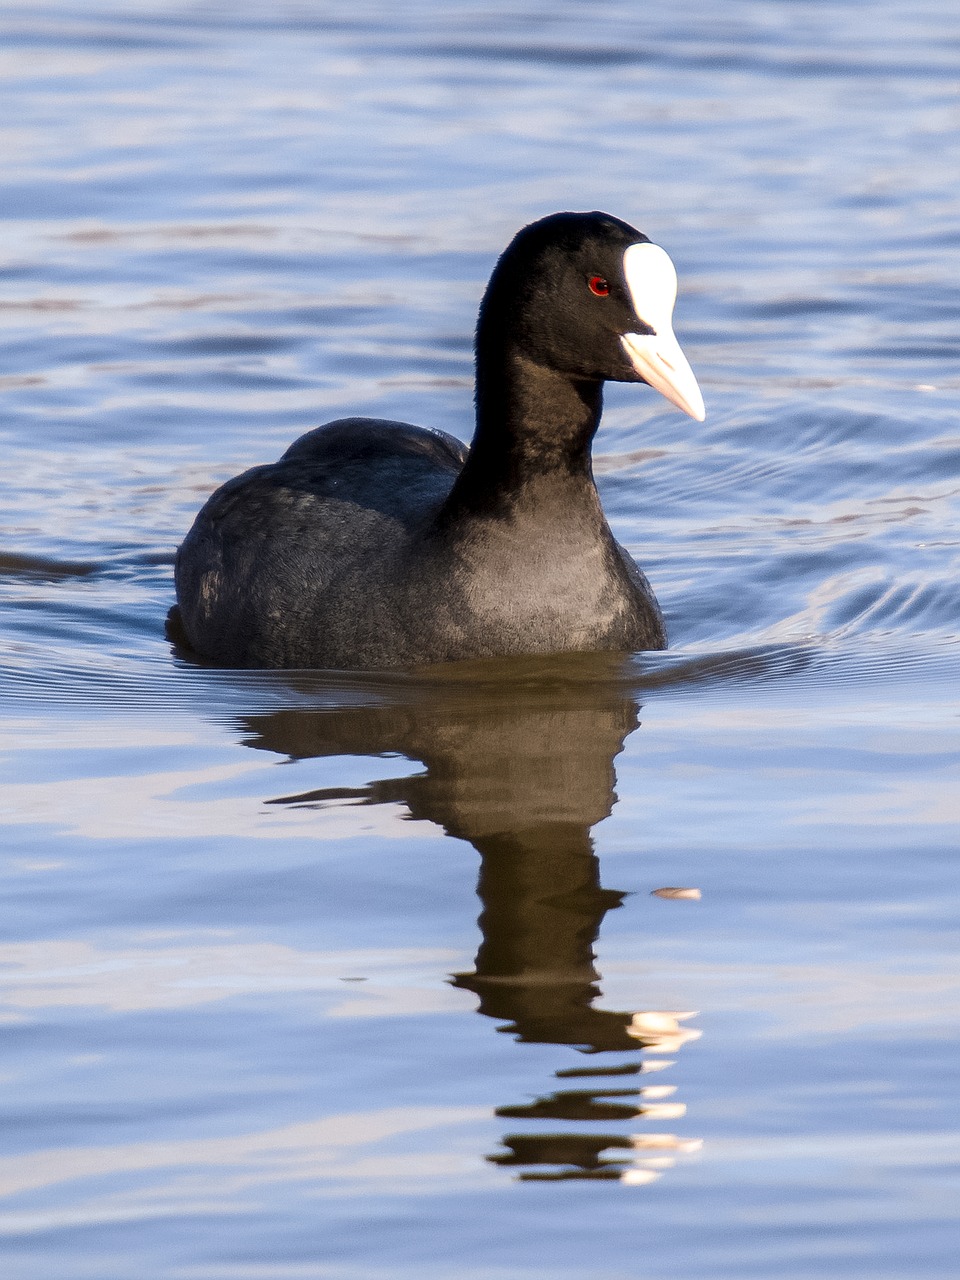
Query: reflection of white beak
652,281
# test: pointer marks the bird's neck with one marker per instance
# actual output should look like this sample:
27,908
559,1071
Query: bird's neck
532,443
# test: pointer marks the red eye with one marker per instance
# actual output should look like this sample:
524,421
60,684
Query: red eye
599,286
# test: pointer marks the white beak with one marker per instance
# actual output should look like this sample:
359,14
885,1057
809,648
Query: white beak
652,281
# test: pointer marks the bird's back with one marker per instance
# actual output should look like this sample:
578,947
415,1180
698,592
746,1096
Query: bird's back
301,563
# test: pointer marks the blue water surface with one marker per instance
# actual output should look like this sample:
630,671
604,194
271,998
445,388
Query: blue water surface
312,976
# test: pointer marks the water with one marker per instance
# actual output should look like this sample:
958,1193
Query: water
252,1028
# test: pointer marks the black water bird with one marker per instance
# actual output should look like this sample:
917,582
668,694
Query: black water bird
375,544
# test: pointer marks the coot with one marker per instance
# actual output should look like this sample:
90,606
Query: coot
376,544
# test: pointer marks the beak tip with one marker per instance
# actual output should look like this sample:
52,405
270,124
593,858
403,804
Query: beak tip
689,400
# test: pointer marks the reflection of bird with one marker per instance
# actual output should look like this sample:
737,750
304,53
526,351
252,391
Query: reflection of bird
580,1153
519,761
375,544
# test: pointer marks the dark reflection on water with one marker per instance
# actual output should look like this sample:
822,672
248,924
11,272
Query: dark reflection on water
518,761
